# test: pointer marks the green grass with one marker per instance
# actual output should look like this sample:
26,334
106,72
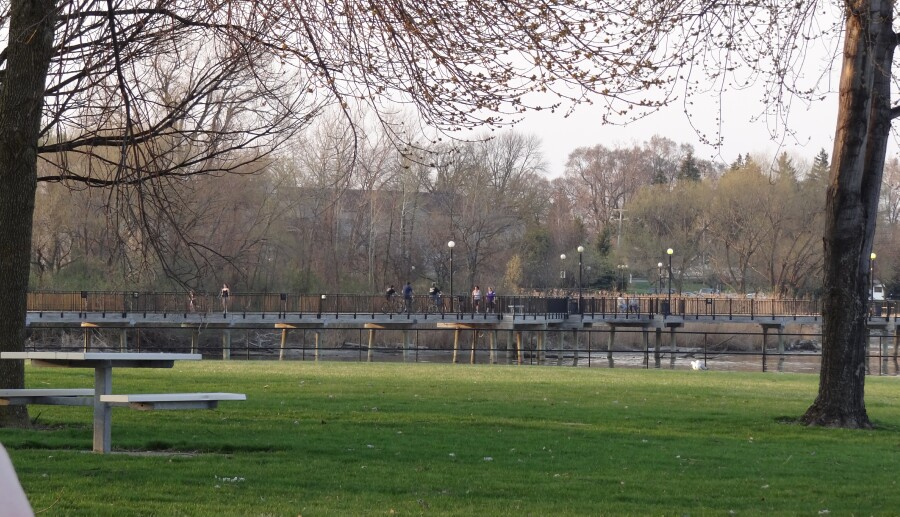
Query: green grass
424,439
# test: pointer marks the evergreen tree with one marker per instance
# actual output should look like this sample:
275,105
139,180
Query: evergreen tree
785,169
688,170
820,169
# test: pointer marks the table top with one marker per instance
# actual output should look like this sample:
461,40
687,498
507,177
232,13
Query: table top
100,356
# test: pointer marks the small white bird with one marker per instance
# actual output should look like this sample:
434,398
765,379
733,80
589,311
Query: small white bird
697,365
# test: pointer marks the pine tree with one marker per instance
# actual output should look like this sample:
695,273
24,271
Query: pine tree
688,170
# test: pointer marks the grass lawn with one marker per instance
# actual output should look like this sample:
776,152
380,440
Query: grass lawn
425,439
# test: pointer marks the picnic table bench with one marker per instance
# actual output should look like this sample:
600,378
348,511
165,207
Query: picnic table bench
151,401
59,397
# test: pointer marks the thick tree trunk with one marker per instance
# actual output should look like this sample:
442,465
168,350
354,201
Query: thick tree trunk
852,207
21,103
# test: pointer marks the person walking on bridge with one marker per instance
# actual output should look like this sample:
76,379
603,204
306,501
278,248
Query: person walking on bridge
408,297
226,292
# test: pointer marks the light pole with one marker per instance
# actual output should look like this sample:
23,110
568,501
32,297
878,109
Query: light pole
562,269
580,298
451,245
669,252
659,267
872,277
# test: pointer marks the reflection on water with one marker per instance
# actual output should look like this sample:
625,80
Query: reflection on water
747,362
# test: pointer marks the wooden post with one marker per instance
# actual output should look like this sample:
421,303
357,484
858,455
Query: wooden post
371,345
474,343
281,349
317,346
455,344
87,338
519,347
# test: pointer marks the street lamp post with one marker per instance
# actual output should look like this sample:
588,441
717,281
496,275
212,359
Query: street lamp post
562,269
451,245
669,252
872,277
659,267
580,298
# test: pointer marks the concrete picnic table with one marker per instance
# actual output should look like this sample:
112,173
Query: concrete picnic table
103,364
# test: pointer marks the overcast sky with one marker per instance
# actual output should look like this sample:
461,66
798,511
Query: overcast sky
814,126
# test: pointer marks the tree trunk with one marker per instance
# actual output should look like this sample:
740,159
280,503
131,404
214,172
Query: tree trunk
860,146
21,102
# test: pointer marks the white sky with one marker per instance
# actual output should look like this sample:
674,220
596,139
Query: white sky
814,127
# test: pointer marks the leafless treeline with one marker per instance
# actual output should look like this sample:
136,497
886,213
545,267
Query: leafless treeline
332,212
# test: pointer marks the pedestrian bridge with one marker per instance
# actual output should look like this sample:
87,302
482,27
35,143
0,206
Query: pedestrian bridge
516,317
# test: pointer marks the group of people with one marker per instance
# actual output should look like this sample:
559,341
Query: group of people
627,306
407,295
489,298
435,293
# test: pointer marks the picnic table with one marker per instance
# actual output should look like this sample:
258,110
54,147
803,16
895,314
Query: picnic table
101,396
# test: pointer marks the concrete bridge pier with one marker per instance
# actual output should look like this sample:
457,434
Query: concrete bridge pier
766,327
657,346
226,344
575,347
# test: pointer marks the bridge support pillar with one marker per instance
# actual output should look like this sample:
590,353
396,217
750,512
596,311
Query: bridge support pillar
371,345
226,344
646,335
540,347
673,346
610,344
656,350
406,345
575,347
560,347
455,345
474,344
123,341
492,353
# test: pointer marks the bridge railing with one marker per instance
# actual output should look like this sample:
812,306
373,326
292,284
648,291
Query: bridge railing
337,303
